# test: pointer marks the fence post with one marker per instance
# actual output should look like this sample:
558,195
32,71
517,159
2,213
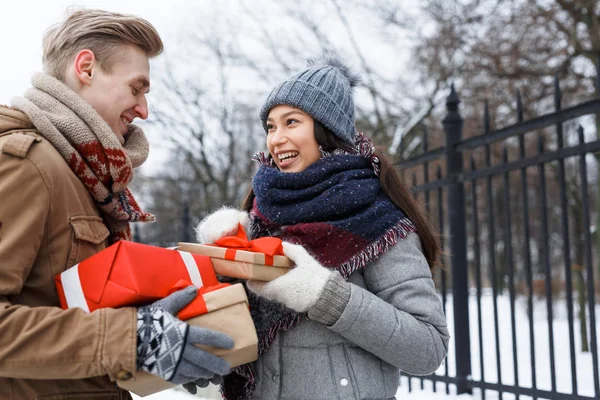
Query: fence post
453,124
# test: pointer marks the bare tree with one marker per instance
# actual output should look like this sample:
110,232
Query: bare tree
209,91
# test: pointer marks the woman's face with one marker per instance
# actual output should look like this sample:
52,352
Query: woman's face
291,138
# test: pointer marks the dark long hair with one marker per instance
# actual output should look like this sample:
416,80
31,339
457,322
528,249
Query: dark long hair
392,185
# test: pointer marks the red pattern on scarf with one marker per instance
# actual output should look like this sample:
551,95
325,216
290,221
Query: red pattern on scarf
93,164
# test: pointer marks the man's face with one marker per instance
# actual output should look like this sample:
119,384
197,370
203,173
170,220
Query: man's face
120,96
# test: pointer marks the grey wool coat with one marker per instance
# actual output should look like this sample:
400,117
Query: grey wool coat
393,320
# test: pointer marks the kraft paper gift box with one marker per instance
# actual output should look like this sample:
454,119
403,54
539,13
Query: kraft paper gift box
226,310
237,257
129,274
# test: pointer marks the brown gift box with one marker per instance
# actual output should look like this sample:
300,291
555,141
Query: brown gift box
228,313
247,264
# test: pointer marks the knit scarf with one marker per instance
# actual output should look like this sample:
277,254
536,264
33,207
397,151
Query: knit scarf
90,148
338,212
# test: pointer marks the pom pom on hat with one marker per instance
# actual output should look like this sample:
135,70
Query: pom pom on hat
333,60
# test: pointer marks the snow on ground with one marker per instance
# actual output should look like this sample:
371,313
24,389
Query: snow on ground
562,356
583,361
180,394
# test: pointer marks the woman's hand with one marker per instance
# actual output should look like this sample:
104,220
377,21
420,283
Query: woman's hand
223,222
300,288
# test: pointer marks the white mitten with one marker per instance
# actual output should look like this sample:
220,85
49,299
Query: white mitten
300,288
223,222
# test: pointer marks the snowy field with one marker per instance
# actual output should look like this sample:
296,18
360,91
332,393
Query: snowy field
583,361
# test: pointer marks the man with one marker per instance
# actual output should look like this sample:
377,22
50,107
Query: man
67,152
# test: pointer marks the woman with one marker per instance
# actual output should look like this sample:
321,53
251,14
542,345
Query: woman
360,305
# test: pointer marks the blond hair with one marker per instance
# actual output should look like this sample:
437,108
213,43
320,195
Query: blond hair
102,32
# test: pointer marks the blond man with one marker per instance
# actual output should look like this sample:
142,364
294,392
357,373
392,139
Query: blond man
68,148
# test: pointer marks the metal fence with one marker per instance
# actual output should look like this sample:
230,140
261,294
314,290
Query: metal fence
507,201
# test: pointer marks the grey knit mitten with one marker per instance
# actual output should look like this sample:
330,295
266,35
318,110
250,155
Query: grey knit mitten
165,345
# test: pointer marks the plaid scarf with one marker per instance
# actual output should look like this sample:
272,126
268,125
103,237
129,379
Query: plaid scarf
90,148
337,211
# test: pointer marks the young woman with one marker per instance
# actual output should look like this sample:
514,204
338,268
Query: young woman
360,305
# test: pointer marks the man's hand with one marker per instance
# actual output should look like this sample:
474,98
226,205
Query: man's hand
166,345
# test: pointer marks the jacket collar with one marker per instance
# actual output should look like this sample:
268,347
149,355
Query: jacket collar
11,119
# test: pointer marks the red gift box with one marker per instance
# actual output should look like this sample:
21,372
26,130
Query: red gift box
129,274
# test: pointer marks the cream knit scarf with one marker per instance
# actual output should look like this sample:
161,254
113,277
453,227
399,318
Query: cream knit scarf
90,148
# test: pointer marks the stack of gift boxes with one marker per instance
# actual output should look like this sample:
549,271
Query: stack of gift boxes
133,274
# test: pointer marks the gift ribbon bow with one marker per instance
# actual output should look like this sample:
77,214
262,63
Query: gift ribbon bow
269,246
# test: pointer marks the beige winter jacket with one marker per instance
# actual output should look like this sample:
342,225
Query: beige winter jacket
48,222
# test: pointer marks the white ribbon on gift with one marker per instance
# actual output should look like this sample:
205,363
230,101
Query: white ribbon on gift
72,288
192,268
74,291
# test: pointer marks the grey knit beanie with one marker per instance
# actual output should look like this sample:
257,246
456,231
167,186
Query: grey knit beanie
324,91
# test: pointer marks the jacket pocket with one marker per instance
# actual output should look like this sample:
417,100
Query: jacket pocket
89,236
370,374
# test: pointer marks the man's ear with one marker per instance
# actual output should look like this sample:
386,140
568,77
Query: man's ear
85,63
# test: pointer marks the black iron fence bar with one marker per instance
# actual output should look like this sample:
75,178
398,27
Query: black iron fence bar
430,156
510,268
546,120
542,158
519,107
433,185
477,265
491,245
588,263
546,260
426,170
440,197
434,378
456,220
565,234
527,250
